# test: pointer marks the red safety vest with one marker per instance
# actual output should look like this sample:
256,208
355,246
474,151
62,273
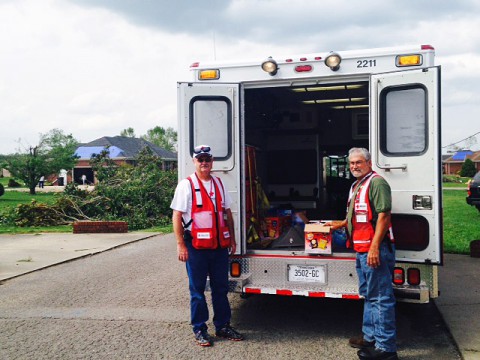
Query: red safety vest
209,225
363,231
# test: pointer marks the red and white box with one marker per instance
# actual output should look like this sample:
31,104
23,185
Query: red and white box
318,238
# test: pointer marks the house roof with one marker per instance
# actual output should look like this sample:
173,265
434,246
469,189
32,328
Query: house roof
122,146
462,155
85,152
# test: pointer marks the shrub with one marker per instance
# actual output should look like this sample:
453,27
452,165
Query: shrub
2,190
468,169
13,184
37,214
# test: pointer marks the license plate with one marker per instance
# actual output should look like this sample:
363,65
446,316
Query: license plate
307,273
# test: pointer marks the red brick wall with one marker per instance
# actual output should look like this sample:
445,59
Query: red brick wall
83,227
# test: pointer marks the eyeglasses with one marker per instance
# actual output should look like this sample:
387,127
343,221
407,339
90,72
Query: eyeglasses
201,148
204,159
357,163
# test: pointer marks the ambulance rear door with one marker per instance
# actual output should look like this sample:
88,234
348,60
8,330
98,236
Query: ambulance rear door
209,114
406,151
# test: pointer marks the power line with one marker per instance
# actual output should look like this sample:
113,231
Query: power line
468,137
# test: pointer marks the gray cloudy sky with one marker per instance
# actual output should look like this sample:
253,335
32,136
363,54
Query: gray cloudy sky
93,68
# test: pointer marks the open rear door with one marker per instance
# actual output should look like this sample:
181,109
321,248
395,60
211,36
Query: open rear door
209,114
405,146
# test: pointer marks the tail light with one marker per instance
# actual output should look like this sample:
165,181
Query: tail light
413,276
398,276
235,269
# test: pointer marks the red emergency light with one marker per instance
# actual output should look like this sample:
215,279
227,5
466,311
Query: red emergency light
303,68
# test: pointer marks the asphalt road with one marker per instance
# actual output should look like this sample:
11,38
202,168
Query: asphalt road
132,303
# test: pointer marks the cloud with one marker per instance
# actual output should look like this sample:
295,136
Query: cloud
94,68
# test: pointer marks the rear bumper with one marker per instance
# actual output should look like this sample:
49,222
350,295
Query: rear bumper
269,275
405,293
473,201
413,294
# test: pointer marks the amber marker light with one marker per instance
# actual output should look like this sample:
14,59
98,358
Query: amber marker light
409,60
235,269
212,74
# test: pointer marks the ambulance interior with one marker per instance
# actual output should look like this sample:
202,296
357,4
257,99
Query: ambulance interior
296,166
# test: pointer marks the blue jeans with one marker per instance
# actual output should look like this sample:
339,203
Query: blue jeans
213,263
375,284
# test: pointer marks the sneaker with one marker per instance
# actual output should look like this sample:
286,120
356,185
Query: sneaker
359,343
229,333
376,354
202,338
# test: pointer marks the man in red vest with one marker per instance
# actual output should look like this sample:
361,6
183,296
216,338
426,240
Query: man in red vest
204,230
369,226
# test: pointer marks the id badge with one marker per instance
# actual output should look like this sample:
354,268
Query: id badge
361,218
361,211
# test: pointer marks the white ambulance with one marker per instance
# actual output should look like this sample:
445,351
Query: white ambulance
280,129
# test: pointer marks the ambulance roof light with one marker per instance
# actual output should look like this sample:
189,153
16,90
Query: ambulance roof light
333,61
270,66
427,47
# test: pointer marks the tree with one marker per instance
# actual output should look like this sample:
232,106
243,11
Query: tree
164,138
468,169
128,132
54,152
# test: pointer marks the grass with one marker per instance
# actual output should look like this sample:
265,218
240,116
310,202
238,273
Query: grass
4,181
11,199
461,222
447,185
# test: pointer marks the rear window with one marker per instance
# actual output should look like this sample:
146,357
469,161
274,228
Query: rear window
403,120
211,123
477,177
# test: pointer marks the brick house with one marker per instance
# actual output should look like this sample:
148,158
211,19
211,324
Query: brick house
123,150
453,164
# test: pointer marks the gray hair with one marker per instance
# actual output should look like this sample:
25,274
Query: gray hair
362,151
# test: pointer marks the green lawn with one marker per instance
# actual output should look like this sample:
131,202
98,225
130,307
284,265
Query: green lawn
461,222
454,185
12,198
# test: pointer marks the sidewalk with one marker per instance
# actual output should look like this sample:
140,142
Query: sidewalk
21,254
459,302
459,278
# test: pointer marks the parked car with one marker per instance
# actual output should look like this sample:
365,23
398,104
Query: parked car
473,197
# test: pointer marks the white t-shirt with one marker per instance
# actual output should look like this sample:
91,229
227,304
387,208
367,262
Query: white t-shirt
182,200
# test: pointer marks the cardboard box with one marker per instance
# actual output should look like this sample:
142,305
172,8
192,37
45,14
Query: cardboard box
318,239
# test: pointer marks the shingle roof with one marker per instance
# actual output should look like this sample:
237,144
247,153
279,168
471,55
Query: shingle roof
128,147
462,155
